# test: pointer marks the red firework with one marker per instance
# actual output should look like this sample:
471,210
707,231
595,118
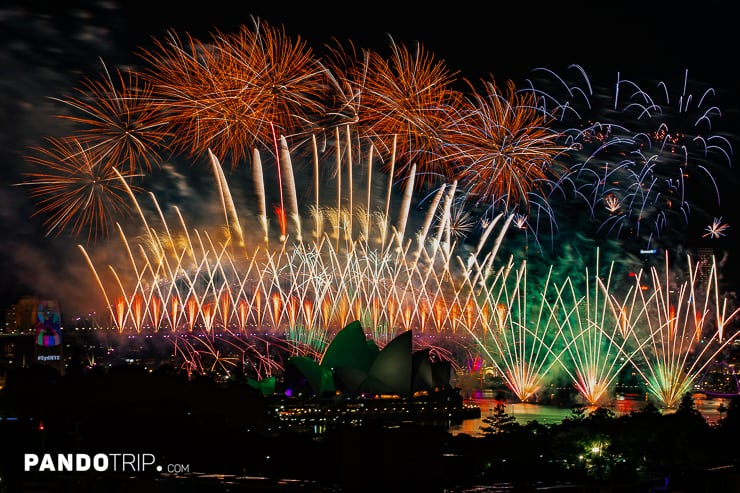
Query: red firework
119,120
505,149
408,101
224,95
346,71
76,188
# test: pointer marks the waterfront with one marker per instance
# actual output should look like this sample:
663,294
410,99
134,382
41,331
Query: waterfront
525,412
187,425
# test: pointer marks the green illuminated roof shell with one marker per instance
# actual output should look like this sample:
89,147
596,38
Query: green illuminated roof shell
350,349
354,365
318,378
392,368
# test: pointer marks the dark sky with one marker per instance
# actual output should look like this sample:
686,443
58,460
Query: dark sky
47,47
506,39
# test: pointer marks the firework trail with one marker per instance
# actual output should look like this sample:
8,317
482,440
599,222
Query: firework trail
227,93
120,120
289,183
408,105
641,156
592,335
259,184
227,202
522,339
677,328
405,205
76,188
505,148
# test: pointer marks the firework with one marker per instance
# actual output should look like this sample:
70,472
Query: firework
505,149
516,155
521,341
678,330
641,157
346,72
225,95
77,188
119,120
529,151
408,109
716,229
592,335
303,289
670,333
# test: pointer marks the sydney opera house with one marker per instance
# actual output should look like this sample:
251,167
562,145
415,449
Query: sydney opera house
356,381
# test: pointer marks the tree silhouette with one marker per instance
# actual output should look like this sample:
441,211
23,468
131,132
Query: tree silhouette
498,421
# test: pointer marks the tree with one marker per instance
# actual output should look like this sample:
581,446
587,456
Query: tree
731,419
649,410
577,413
601,414
687,407
721,409
498,421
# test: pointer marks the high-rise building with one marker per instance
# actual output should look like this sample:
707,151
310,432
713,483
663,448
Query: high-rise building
22,316
48,335
704,258
33,334
11,319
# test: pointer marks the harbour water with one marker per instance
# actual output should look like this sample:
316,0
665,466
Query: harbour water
524,412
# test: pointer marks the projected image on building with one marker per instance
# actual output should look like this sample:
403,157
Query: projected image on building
48,335
48,324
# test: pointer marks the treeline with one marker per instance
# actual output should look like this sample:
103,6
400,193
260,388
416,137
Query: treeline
644,450
229,428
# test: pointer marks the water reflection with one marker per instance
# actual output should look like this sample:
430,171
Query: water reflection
525,412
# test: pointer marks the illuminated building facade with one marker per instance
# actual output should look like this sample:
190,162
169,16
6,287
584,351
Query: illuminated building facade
48,335
704,259
33,334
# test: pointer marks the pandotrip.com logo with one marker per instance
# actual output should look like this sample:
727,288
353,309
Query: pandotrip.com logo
122,462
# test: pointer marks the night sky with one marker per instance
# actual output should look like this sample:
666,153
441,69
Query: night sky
47,48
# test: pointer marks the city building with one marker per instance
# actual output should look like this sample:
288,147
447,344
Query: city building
704,260
32,334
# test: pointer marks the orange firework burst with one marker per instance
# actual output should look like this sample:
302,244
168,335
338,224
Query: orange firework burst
120,121
505,149
224,95
410,96
76,188
342,127
347,71
716,229
181,76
